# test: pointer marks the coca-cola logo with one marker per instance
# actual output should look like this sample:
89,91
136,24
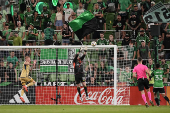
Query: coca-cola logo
104,97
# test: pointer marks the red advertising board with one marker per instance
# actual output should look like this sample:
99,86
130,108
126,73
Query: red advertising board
136,99
45,95
98,94
168,92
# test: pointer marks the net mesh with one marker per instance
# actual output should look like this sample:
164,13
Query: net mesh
55,84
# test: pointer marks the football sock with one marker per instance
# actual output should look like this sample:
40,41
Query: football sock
149,95
22,92
157,101
30,84
166,98
85,88
78,89
144,98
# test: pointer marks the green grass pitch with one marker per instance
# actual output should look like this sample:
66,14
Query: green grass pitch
81,109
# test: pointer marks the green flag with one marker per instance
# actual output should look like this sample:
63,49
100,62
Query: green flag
157,14
84,24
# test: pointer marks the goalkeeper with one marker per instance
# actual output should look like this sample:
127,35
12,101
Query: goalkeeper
25,76
79,74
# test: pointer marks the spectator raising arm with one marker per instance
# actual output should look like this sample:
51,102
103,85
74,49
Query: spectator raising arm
138,53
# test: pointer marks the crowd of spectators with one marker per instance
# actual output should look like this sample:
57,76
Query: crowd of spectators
28,27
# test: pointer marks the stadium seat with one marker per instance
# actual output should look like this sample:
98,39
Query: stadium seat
59,37
106,35
71,78
53,77
62,77
104,15
110,17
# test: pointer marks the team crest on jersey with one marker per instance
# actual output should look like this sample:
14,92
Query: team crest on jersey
133,22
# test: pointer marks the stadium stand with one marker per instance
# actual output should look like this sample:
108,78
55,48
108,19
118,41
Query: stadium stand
110,17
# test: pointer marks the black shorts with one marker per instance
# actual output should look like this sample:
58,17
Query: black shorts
96,35
9,17
80,79
143,83
32,39
48,42
161,90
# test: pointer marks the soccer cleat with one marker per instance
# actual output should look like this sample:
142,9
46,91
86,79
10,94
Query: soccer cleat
87,98
22,99
146,105
81,99
25,88
151,102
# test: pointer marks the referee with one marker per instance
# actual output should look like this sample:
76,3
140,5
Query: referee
140,70
79,74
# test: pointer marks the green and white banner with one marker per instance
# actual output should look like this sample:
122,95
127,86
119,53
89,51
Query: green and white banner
64,59
157,14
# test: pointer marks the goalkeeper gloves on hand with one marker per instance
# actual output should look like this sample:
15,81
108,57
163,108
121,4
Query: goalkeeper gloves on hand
85,49
80,49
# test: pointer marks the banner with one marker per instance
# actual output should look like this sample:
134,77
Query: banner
99,95
45,95
157,14
65,60
136,98
11,95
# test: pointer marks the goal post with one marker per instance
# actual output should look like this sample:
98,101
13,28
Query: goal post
54,75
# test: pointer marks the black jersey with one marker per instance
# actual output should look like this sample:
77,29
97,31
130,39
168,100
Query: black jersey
78,66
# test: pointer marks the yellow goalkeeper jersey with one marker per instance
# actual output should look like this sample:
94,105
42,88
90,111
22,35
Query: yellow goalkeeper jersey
25,70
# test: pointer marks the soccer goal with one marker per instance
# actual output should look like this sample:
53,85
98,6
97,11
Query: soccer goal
104,68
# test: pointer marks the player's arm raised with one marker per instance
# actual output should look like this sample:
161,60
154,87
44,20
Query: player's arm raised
33,65
27,63
85,50
75,58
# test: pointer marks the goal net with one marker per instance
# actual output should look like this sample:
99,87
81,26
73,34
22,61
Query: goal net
107,70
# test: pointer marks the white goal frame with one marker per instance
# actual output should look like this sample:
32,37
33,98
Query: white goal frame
78,46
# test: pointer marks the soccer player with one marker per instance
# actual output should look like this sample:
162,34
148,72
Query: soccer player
140,70
78,71
25,76
158,86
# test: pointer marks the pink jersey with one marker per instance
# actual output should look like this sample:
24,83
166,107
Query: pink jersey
140,69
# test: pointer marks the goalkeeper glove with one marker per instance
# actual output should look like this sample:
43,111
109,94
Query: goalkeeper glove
85,49
80,49
150,77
